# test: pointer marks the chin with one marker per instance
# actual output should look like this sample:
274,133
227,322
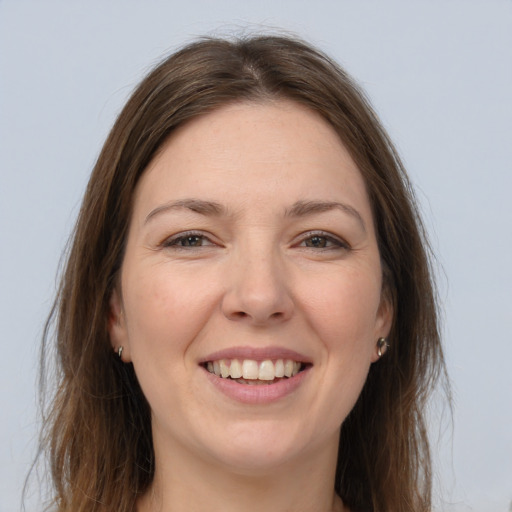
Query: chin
259,447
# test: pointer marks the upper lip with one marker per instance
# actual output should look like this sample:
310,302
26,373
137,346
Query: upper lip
256,354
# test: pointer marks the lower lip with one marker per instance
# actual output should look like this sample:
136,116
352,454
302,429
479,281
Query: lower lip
258,394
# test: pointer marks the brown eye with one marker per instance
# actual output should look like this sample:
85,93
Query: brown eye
190,241
317,242
321,241
187,241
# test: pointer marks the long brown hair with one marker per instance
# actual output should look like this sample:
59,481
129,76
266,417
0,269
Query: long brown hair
97,429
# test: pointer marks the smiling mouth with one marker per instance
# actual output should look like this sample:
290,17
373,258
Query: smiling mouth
252,372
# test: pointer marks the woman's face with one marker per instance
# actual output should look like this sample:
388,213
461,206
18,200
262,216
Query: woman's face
250,298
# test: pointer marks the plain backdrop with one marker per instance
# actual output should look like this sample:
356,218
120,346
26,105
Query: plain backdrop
439,73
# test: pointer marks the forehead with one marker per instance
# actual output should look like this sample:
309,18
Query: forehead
265,152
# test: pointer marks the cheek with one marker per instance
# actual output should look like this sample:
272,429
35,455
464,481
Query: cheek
343,306
165,311
342,313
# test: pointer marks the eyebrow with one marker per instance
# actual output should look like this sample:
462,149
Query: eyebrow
298,209
200,206
304,208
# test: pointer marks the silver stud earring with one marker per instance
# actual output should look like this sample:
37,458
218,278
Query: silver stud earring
120,353
382,346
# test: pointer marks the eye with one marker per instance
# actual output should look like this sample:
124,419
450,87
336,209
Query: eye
322,241
189,240
319,242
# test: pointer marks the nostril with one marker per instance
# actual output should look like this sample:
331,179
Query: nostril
242,314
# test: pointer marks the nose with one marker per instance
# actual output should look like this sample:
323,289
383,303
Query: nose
258,291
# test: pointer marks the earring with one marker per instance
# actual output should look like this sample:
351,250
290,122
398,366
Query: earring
382,346
120,353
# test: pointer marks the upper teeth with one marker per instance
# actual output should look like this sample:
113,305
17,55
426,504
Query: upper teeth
251,369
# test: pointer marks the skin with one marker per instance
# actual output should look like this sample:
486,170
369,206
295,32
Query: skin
251,276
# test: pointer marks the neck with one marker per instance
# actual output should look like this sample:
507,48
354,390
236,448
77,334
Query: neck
183,483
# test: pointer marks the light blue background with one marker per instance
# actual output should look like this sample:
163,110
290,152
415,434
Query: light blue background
438,72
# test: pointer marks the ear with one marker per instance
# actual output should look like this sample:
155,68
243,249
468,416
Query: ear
117,326
383,323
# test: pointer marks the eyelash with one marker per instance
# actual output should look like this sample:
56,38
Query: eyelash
331,242
176,240
335,242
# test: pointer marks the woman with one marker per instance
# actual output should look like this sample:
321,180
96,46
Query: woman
247,317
